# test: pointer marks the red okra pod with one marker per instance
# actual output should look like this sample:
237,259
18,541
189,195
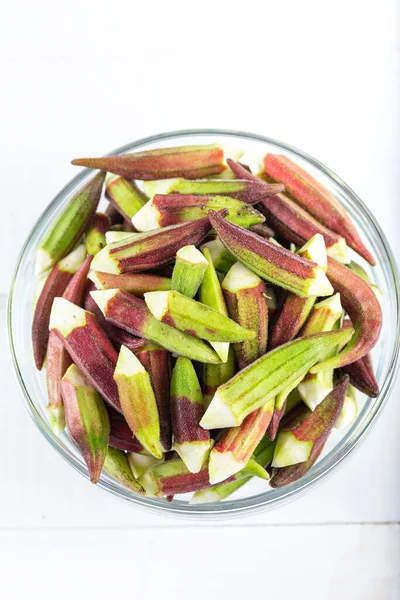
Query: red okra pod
304,430
170,209
121,436
151,249
271,262
55,285
364,310
362,376
58,360
315,198
190,162
291,222
191,441
88,346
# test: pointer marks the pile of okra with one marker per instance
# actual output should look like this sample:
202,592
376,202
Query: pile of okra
209,327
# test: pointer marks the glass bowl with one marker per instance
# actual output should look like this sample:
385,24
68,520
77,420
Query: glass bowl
256,494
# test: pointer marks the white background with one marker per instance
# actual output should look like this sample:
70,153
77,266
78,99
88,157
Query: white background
81,78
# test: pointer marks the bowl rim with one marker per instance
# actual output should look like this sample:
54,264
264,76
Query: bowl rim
249,504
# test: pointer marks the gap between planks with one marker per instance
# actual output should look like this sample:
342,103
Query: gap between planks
205,524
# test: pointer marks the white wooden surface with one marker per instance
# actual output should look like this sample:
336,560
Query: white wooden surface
81,78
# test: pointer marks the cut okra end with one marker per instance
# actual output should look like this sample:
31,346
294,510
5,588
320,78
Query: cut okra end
118,236
149,485
339,251
73,260
192,255
194,454
239,278
290,451
319,285
222,349
333,303
66,316
157,303
44,261
102,297
314,389
94,278
222,465
128,364
147,218
139,463
218,414
315,250
221,257
190,267
206,496
160,186
104,262
56,415
349,411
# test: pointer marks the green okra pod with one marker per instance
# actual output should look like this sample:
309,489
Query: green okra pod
70,225
125,196
190,267
95,238
87,420
245,295
211,295
195,318
164,210
132,315
252,387
138,402
117,465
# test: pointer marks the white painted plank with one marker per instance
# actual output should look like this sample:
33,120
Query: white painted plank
310,563
43,491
